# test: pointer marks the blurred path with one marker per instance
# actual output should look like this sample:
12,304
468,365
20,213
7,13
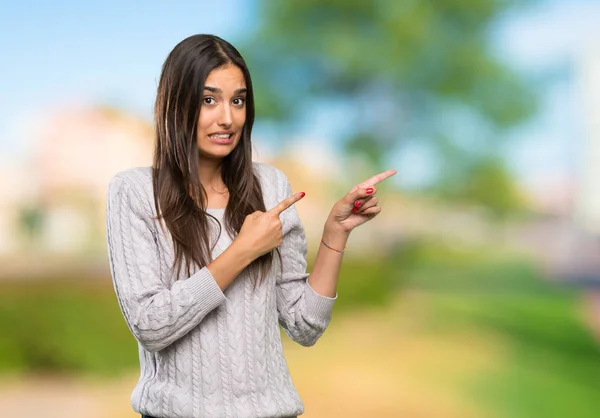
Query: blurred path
66,398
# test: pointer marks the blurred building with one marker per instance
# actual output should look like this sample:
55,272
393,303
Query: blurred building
586,253
587,208
79,151
567,239
76,153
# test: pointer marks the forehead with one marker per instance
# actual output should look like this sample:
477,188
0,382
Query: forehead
228,78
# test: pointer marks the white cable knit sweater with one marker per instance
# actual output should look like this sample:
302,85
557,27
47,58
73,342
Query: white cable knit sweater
204,352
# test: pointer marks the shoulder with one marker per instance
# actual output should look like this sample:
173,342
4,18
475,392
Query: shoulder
270,174
267,171
133,184
273,180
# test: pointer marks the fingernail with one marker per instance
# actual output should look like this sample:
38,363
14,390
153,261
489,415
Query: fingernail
357,204
302,194
369,190
354,210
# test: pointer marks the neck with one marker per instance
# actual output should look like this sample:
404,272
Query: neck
210,174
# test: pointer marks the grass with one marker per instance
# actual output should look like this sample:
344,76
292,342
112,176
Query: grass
552,364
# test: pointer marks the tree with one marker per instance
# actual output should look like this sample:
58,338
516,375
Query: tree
489,184
404,70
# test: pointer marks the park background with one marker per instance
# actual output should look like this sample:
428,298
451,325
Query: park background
475,293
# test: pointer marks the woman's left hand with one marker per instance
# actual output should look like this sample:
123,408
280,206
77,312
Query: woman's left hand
359,205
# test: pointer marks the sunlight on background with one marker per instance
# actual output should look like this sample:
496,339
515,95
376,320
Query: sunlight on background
475,293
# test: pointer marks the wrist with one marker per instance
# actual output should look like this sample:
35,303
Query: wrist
242,252
334,230
335,236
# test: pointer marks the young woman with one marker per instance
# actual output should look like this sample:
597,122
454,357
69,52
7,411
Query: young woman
207,252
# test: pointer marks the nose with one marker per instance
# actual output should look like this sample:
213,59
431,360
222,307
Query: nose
225,118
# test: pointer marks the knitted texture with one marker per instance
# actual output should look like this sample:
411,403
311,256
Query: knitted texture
204,352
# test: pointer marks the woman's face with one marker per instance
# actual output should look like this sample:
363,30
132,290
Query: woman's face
222,112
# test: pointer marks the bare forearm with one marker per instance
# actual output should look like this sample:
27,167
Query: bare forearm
324,275
227,266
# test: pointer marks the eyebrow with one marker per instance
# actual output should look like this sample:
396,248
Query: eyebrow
219,91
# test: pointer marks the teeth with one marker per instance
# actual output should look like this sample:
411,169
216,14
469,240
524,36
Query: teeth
220,136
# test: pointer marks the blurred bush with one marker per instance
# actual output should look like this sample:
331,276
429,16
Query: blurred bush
64,325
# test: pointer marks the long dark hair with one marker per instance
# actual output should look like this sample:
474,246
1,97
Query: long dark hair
179,194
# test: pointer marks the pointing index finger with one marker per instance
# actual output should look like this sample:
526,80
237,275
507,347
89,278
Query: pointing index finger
377,178
286,203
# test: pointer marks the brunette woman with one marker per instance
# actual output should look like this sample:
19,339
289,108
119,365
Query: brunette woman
208,255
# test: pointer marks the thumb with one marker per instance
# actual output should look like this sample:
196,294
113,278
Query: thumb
359,193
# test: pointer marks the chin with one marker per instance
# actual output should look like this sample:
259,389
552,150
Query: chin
218,152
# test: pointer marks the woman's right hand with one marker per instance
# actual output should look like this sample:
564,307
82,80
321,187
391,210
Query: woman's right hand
261,231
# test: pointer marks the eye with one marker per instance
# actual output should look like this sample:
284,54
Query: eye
209,100
239,101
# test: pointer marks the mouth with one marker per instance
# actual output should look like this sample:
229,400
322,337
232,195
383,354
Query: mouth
223,138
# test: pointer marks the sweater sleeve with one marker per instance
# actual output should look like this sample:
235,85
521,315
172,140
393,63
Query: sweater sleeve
303,313
156,314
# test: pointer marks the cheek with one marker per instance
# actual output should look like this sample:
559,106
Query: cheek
205,120
241,118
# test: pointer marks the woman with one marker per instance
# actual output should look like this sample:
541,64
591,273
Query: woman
207,252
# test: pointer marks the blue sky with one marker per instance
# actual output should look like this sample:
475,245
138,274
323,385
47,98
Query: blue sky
111,52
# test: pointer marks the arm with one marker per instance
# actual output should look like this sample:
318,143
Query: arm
304,313
157,315
357,207
305,306
326,270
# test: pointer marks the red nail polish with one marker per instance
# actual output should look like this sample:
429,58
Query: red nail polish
354,210
357,204
302,194
369,190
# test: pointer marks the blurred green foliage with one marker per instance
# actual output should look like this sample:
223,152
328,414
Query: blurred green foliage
404,72
552,364
63,326
489,184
